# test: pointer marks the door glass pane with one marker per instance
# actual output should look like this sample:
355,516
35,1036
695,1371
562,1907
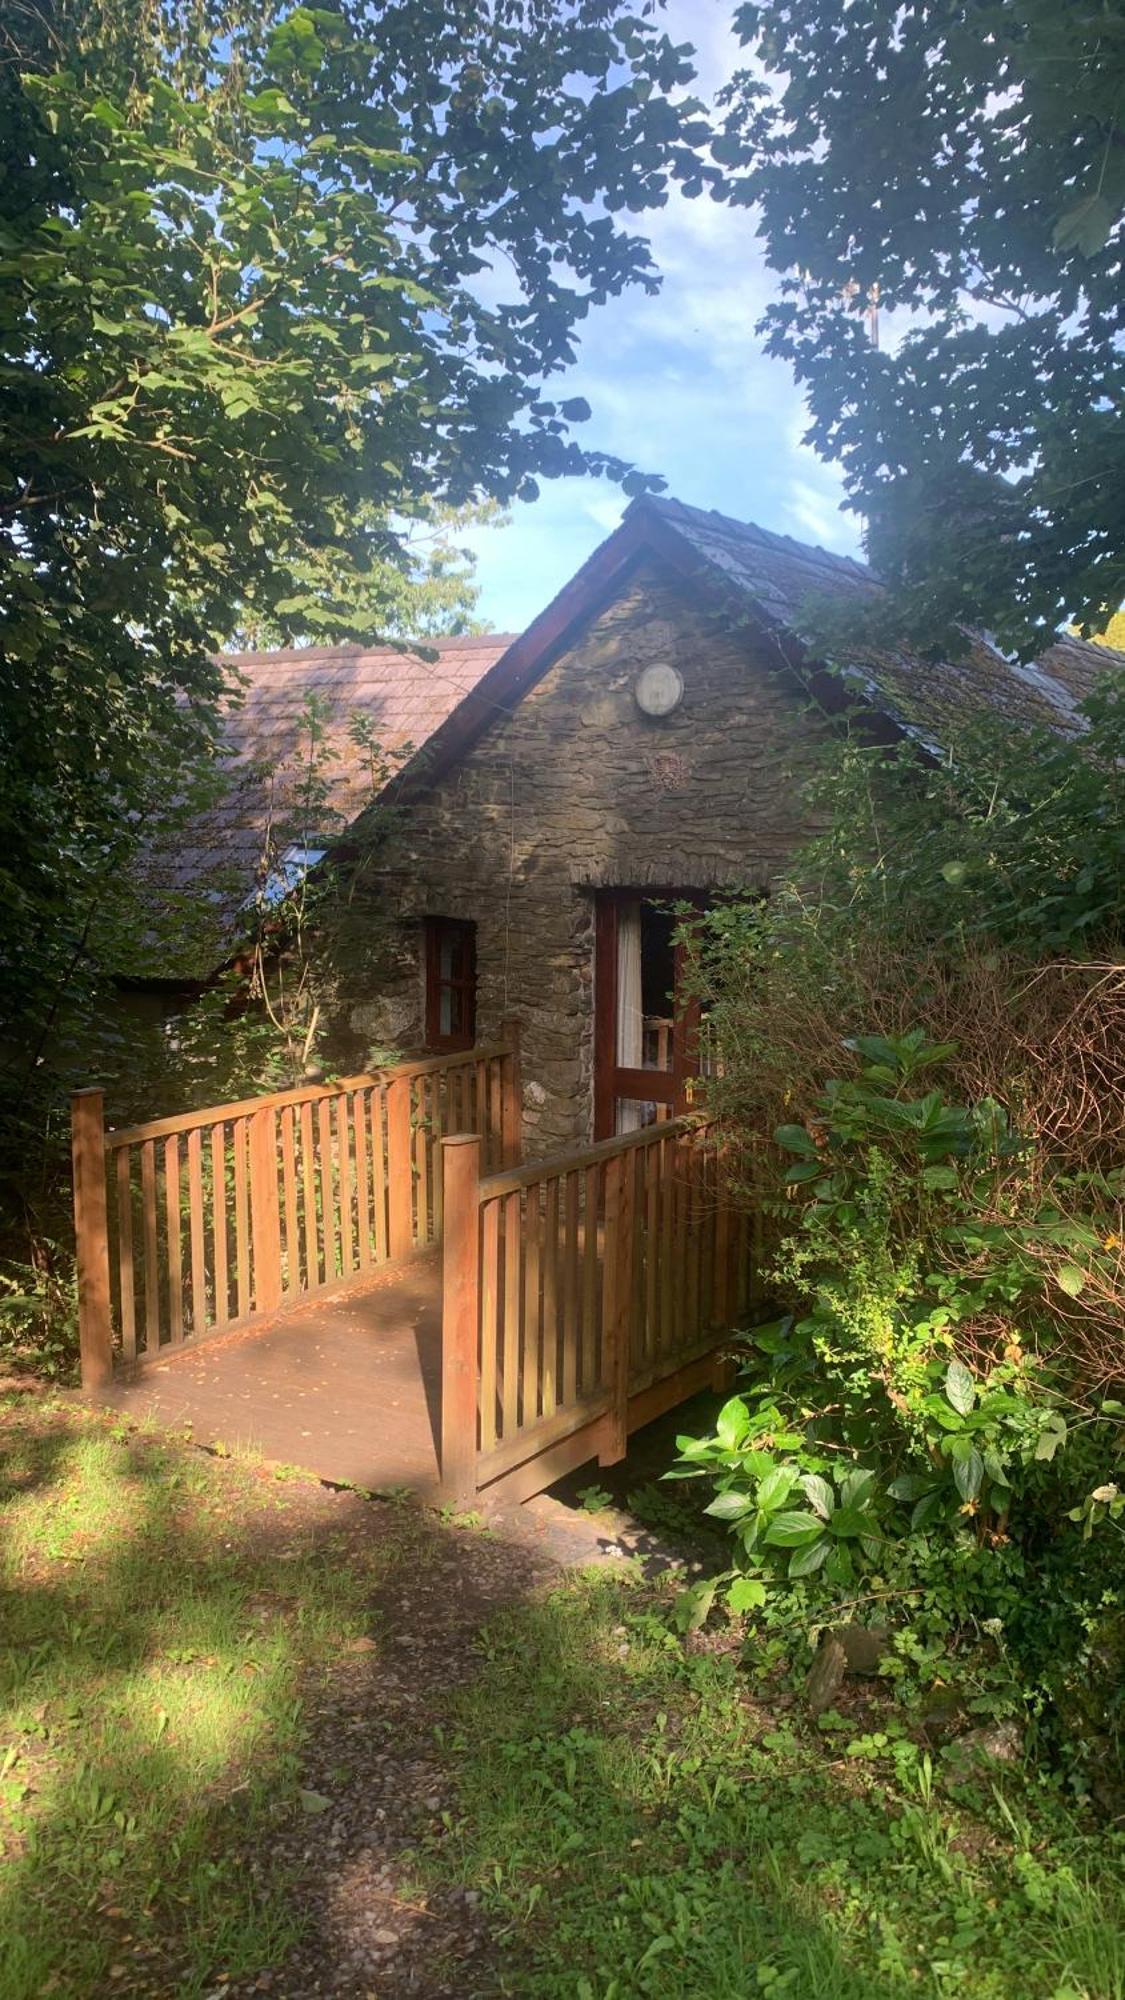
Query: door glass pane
630,990
632,1115
646,980
658,983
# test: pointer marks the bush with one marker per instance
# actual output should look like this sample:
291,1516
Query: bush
931,1426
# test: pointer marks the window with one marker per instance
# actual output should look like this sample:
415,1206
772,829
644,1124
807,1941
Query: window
451,983
646,1018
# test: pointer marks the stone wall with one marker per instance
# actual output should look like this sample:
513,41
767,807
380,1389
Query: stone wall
577,790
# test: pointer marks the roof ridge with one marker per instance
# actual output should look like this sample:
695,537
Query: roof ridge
753,531
292,656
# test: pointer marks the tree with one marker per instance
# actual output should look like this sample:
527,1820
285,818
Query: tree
276,283
962,163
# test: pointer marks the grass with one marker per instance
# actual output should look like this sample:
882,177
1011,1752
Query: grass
645,1820
162,1618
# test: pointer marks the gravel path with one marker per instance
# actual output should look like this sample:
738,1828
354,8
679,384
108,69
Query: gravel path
372,1771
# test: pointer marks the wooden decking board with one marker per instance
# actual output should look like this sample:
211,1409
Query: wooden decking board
348,1387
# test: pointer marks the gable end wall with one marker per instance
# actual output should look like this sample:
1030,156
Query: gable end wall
576,790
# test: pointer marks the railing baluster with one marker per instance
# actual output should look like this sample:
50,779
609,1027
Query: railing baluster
422,1162
219,1221
326,1182
570,1324
289,1178
400,1169
344,1157
550,1363
362,1183
460,1315
512,1295
531,1259
489,1320
589,1368
127,1281
175,1267
379,1173
195,1225
238,1136
151,1246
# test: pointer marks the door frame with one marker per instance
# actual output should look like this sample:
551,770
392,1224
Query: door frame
652,1086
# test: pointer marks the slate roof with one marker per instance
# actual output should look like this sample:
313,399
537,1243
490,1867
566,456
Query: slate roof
777,578
402,698
780,576
439,707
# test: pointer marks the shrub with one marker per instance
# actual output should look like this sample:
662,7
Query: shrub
932,1424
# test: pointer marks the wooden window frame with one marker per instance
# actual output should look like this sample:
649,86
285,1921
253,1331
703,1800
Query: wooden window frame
668,1087
437,930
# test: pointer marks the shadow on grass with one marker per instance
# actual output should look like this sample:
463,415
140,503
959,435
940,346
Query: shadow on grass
644,1828
161,1618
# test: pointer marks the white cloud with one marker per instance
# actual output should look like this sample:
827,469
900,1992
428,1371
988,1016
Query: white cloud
679,385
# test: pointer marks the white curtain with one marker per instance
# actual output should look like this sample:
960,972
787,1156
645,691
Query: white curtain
630,1014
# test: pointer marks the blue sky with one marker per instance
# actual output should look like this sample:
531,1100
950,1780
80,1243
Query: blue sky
678,385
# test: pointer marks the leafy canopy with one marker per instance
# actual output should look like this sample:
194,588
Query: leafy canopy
962,161
278,284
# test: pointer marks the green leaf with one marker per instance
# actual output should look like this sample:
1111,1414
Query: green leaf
693,1607
729,1506
795,1139
1048,1442
819,1494
910,1486
775,1488
960,1387
856,1487
925,1509
804,1561
1070,1279
746,1594
790,1530
732,1423
849,1522
968,1473
1086,227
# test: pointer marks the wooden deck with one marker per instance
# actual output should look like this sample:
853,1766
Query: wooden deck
363,1279
348,1388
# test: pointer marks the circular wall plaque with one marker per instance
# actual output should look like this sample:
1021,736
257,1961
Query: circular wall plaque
659,689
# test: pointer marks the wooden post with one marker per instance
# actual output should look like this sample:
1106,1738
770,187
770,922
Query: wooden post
265,1211
511,1112
460,1314
400,1169
91,1234
617,1299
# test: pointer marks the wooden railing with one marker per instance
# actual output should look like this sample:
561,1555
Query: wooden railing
581,1296
204,1221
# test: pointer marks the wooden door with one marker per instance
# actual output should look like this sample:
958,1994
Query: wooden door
646,1025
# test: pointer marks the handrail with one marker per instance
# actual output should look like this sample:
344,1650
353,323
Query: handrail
310,1093
556,1164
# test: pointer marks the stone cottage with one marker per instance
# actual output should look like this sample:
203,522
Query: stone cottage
640,745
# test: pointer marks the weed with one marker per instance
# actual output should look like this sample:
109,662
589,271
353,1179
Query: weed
635,1826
